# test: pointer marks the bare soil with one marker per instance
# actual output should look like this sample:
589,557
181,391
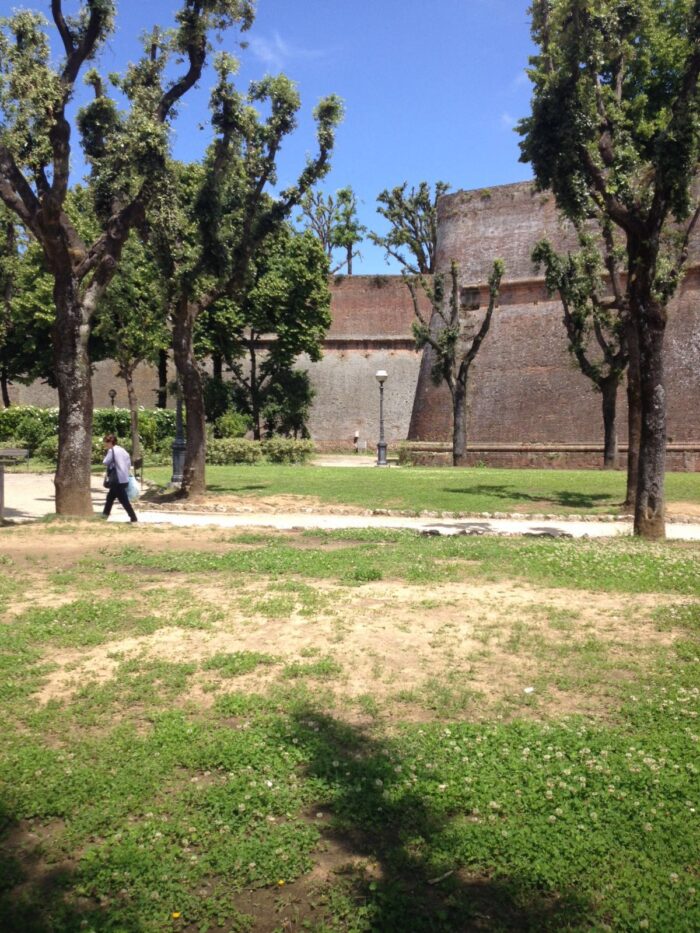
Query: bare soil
477,647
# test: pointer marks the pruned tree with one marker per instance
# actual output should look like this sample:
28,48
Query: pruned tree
335,222
594,325
126,150
615,134
210,228
412,217
131,323
454,334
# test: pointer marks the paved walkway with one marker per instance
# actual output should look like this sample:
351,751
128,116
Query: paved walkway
30,496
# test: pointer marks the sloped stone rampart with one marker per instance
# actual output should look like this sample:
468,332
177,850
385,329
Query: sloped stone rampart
525,389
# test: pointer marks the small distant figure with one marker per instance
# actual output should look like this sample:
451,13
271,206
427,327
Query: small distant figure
356,441
117,463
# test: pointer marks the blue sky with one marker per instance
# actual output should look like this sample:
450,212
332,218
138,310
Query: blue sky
432,88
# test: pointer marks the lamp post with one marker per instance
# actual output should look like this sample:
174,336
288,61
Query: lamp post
179,442
381,376
112,395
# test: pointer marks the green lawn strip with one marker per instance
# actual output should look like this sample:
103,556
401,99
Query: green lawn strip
468,490
599,821
616,565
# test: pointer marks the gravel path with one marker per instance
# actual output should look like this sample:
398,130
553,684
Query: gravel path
31,495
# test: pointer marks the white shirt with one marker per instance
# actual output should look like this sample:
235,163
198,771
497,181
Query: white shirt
121,460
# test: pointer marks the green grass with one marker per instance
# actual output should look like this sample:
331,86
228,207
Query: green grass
447,489
132,805
613,565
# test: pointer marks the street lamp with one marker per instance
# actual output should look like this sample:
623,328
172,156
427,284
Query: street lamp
112,395
179,442
381,376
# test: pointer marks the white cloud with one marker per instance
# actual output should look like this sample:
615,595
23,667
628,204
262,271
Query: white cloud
507,121
275,53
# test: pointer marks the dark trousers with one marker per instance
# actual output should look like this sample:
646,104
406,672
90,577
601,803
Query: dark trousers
118,491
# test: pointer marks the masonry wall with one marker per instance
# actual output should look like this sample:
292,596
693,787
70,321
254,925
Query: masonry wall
524,386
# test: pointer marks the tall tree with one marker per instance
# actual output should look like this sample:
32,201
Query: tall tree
131,323
455,335
334,221
594,326
126,151
26,313
284,312
212,226
412,216
615,133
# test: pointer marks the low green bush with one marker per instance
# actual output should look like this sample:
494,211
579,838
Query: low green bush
48,449
28,423
231,424
287,450
229,450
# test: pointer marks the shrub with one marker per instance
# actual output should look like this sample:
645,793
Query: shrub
156,425
111,421
48,449
28,423
229,450
287,450
231,424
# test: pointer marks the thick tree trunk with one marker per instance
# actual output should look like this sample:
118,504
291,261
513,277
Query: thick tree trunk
71,333
5,388
634,415
133,413
608,389
459,426
649,514
162,397
193,474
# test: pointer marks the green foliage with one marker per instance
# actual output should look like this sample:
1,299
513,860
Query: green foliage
231,424
412,217
287,450
229,450
232,450
594,325
39,423
615,126
334,222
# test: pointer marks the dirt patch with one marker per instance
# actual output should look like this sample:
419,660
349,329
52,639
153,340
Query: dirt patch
241,505
687,509
461,648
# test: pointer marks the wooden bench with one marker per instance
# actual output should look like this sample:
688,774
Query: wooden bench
8,455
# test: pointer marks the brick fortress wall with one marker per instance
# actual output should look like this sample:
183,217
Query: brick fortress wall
525,393
525,389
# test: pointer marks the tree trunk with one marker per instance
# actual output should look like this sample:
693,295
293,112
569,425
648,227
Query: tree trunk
162,397
5,388
71,333
608,389
350,259
649,514
217,362
254,391
128,374
459,426
193,474
634,415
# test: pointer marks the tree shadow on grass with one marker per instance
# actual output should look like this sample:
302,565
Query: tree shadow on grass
563,497
36,895
406,881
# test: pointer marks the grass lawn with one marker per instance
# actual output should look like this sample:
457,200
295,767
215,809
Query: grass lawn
346,732
446,489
